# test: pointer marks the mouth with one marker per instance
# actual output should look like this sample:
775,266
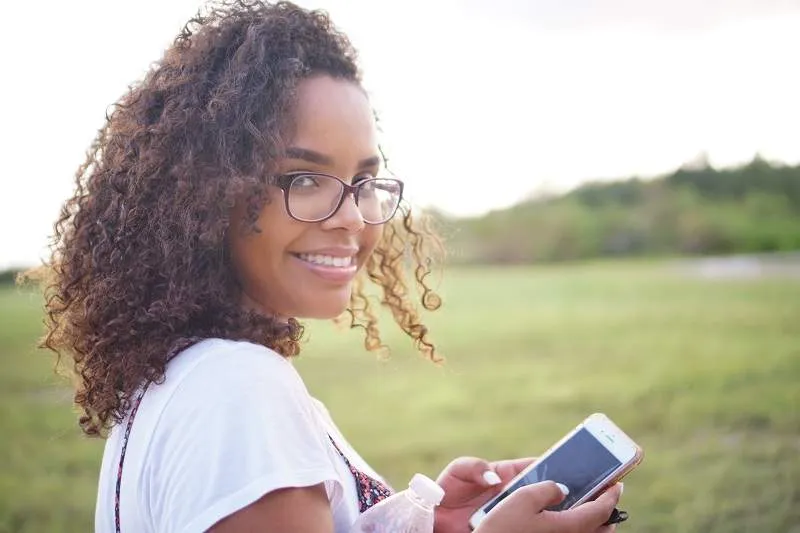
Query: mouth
330,261
339,269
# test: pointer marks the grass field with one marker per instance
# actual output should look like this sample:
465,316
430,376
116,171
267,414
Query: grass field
705,374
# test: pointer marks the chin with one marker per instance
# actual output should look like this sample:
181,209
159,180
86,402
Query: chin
324,308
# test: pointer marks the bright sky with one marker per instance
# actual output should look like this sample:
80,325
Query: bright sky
481,102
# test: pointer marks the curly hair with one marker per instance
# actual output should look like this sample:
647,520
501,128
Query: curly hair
139,268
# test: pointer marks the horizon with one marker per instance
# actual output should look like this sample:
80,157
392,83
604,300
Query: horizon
568,92
548,196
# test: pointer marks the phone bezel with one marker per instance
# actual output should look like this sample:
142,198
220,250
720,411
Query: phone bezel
606,432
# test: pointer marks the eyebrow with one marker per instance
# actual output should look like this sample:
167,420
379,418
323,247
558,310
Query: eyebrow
321,159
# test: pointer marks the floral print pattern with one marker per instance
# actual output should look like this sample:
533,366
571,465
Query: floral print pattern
370,491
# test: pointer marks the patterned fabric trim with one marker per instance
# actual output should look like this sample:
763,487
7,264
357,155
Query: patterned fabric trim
370,491
179,346
135,407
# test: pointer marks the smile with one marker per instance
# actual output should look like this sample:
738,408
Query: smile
327,260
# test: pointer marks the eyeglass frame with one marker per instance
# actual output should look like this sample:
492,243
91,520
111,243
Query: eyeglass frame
284,182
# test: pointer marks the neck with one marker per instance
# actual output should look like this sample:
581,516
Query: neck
250,304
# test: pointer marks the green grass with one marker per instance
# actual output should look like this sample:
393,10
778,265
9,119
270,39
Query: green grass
704,374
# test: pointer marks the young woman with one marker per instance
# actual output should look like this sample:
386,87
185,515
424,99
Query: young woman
238,188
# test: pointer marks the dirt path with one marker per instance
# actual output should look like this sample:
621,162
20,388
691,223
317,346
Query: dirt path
782,265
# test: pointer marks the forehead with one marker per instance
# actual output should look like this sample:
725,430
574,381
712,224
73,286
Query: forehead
331,114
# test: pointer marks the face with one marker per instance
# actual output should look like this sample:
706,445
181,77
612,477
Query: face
302,269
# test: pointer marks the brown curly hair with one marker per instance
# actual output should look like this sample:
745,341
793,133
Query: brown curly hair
139,267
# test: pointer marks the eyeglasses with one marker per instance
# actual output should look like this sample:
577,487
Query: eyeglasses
314,197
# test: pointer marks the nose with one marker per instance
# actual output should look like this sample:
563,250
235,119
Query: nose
347,217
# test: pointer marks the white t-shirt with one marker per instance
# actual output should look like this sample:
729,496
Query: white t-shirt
231,422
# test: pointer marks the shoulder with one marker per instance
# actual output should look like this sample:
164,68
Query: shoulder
222,390
217,382
219,353
236,423
215,364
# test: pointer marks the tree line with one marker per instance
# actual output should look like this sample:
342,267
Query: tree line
696,210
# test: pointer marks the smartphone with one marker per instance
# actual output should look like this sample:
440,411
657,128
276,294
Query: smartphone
588,460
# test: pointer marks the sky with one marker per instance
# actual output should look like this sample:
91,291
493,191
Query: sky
481,103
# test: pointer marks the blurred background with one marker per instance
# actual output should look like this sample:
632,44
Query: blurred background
619,186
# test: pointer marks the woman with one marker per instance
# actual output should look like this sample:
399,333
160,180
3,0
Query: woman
236,189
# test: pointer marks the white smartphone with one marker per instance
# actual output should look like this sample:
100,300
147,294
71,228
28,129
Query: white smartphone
588,460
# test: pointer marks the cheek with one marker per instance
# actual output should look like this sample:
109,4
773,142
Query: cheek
257,254
371,237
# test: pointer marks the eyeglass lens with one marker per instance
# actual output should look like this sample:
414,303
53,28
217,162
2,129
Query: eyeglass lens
315,197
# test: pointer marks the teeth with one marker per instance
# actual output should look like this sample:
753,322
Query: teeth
327,260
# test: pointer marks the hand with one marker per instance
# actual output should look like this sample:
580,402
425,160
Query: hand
523,512
466,489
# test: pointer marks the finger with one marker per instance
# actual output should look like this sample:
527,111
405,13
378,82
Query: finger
538,496
596,513
473,470
509,469
606,529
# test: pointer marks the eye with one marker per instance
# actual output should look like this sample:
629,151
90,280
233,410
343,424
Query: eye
367,184
361,178
305,181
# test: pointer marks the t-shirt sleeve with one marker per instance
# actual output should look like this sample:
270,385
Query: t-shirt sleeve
239,425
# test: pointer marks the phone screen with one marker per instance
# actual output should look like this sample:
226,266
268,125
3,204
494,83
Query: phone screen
580,463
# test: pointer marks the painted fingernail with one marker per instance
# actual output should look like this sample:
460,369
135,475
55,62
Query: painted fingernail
491,477
563,488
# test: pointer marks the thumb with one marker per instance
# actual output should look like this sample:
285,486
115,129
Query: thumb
540,496
522,509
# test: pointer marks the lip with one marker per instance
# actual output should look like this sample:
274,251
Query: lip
333,251
331,274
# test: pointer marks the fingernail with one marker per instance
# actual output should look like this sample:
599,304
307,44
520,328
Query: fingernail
563,488
491,477
621,488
